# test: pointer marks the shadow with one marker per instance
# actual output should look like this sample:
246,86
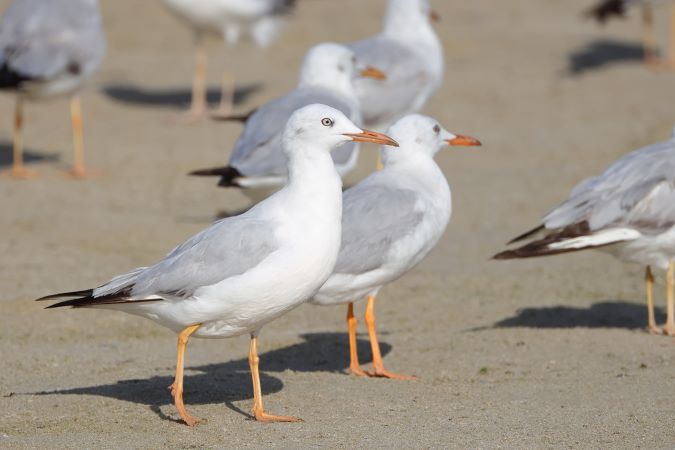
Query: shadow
29,156
601,53
609,314
171,98
230,382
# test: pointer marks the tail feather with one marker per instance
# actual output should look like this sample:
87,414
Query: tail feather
228,175
606,10
243,118
570,239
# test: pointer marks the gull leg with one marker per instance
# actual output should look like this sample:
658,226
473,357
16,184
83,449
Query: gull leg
78,170
651,321
258,410
198,107
226,105
354,366
19,171
671,51
648,37
177,386
669,329
378,365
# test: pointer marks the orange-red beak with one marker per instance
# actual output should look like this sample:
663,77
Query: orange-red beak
373,137
435,17
372,72
464,141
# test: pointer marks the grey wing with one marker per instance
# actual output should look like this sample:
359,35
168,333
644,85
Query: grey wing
228,248
637,191
374,218
43,39
384,101
258,152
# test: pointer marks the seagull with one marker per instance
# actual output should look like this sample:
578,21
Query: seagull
410,53
260,20
247,270
627,211
327,76
604,10
48,48
391,221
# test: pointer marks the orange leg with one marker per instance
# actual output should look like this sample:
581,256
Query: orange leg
177,386
354,366
648,39
378,365
651,321
19,171
198,108
226,105
78,170
671,51
669,329
258,410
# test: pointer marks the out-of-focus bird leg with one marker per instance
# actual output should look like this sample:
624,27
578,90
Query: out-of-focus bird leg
669,329
648,36
671,51
177,386
78,170
651,321
258,411
227,91
378,365
198,107
19,171
354,366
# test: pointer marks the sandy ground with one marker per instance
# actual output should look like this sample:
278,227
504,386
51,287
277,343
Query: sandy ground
539,354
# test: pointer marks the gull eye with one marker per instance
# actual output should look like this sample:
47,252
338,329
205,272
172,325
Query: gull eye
437,129
326,122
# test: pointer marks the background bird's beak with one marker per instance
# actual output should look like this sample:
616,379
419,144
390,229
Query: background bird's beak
372,72
464,141
373,137
435,17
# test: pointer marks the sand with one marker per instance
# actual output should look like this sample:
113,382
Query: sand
548,353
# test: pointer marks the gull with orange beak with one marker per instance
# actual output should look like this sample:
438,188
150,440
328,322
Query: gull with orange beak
390,222
245,271
257,163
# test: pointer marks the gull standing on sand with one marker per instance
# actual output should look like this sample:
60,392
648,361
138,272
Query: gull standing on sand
628,211
390,222
327,76
245,271
259,19
411,55
48,48
606,9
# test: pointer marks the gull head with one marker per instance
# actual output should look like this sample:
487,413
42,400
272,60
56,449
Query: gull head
334,66
418,134
320,127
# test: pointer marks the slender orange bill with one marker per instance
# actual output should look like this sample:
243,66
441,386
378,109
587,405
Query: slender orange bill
435,17
372,72
464,141
373,137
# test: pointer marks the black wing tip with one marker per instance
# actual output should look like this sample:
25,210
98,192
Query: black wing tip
83,293
526,235
11,79
228,175
606,10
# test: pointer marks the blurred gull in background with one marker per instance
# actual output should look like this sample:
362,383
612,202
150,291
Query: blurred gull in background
327,76
390,222
628,211
607,9
245,271
411,55
259,19
47,49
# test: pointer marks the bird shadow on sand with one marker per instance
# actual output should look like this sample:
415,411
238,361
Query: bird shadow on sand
230,382
29,156
171,98
607,314
601,53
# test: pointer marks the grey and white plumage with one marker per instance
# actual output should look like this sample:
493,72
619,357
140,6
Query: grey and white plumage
628,210
48,47
326,77
409,52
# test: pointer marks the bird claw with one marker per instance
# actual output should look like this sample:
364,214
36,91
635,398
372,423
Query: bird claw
359,372
382,373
